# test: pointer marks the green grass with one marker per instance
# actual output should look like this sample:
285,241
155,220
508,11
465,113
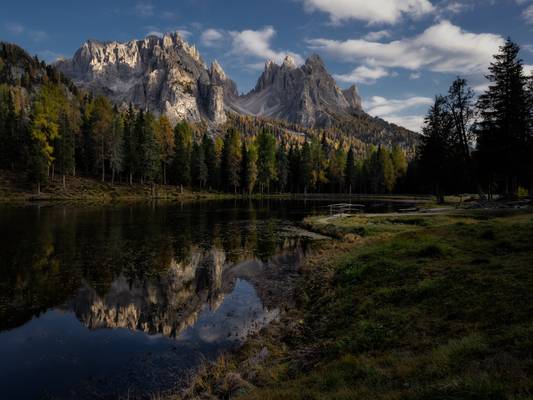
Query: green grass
439,309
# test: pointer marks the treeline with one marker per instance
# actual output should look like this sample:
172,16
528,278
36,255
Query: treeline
50,130
62,136
483,145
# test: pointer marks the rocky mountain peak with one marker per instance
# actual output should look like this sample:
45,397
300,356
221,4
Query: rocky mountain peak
352,96
315,61
216,71
161,74
307,95
289,62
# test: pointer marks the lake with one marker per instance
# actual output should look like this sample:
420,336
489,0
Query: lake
97,302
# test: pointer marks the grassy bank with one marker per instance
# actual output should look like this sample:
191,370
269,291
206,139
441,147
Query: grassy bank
15,188
402,307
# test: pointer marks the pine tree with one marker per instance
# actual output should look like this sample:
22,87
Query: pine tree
230,163
282,164
266,159
434,150
101,124
166,141
318,164
150,154
183,137
503,127
198,166
306,167
116,144
294,169
131,145
350,170
210,157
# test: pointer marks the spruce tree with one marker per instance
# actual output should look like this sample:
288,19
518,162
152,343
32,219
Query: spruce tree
266,161
198,166
183,137
349,171
502,130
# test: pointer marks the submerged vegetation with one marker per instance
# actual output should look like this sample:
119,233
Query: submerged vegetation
429,307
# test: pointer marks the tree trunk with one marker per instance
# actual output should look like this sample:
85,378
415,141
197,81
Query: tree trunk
131,179
112,176
64,182
38,188
164,174
53,172
103,171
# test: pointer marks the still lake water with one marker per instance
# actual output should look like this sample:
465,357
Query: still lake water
101,301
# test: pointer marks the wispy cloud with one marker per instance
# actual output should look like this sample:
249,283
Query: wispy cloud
363,75
443,47
213,37
14,28
399,111
257,44
373,12
144,9
17,29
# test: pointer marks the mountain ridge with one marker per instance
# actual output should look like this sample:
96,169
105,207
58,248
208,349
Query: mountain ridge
167,75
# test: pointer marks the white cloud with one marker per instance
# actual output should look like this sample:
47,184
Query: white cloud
155,33
363,75
481,88
144,9
17,29
443,47
372,11
411,122
38,36
14,28
414,76
376,36
184,33
527,14
257,44
212,37
393,110
382,106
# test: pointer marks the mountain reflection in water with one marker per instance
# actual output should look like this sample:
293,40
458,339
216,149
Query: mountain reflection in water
99,301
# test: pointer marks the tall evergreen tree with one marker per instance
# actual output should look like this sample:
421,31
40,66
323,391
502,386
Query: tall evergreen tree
166,141
503,127
183,138
434,150
266,159
282,165
198,166
150,154
350,170
210,157
231,162
131,145
116,144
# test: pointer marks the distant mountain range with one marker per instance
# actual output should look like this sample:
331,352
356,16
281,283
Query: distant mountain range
168,75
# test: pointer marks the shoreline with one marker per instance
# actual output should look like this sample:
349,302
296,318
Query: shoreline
328,344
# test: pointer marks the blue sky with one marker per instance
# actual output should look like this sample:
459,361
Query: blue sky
399,53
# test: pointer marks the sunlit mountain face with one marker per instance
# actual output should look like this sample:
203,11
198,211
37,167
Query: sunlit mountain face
398,53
